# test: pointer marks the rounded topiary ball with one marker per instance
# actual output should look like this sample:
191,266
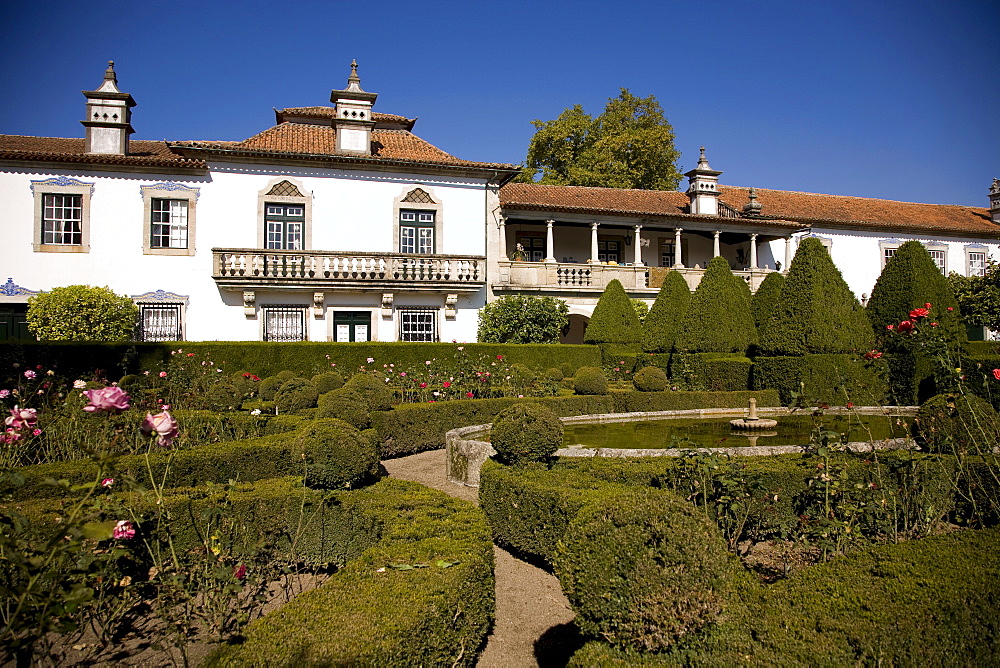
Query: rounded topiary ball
336,455
224,396
374,391
285,375
345,404
643,569
526,433
269,387
951,423
650,379
327,381
590,380
295,395
554,375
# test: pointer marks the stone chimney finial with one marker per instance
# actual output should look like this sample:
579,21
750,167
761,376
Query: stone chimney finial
995,201
110,72
109,115
753,207
354,81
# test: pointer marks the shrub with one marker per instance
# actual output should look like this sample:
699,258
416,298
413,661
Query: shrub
641,309
614,319
833,379
650,379
336,455
372,390
526,433
522,319
958,423
554,375
659,330
345,404
295,395
643,570
590,380
816,311
224,396
718,319
81,313
327,381
269,388
766,298
718,372
285,375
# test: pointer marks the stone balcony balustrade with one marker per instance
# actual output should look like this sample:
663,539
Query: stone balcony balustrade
254,268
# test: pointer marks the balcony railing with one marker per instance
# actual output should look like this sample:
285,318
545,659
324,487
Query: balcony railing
247,267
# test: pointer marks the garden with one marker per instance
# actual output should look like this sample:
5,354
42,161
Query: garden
223,503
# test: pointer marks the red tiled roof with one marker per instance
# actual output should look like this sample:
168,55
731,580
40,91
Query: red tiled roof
779,206
320,140
328,112
63,149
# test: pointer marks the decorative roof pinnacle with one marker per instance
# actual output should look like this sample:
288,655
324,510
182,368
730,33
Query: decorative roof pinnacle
995,188
353,81
753,207
110,83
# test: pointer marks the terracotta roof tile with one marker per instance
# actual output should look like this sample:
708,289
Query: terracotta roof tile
328,112
778,206
70,149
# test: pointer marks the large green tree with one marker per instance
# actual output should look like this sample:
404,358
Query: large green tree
82,313
664,319
614,319
718,319
520,319
630,145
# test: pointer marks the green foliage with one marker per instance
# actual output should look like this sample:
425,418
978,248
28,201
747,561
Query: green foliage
766,298
719,372
958,423
526,433
643,570
614,319
345,404
82,313
295,395
816,312
554,375
327,381
663,322
269,388
522,319
590,380
979,296
641,402
630,145
718,319
641,309
650,379
831,379
372,390
909,280
336,455
224,396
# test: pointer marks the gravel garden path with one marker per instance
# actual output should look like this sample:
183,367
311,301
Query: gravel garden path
534,623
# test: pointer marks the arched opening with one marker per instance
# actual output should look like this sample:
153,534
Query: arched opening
573,332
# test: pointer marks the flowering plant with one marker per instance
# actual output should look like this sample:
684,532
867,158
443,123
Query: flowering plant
106,400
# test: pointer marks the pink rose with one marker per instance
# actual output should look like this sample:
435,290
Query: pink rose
107,482
29,374
163,424
446,385
106,400
469,394
22,418
123,530
163,374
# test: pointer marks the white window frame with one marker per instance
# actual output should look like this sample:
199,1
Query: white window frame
938,253
162,300
294,312
888,247
61,186
414,321
150,312
305,200
976,259
434,208
174,192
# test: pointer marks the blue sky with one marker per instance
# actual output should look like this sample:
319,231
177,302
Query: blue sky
899,100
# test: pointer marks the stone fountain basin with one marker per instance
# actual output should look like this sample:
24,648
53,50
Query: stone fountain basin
467,449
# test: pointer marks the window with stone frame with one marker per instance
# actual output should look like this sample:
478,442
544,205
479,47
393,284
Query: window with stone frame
939,253
976,256
62,215
417,222
169,223
417,324
284,323
62,219
168,218
416,231
284,212
160,322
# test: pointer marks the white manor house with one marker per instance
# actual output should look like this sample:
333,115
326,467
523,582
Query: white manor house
339,224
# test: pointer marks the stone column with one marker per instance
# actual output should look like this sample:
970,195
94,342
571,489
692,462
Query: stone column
678,259
715,244
753,251
638,246
788,253
593,243
549,244
503,238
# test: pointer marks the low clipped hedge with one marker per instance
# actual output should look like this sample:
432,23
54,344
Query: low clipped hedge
924,602
831,378
369,613
712,371
634,402
244,460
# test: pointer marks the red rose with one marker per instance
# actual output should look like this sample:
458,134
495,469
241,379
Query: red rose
446,385
996,373
905,327
919,313
423,385
469,394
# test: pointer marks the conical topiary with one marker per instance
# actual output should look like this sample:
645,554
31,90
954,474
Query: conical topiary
910,280
766,297
816,311
664,318
614,319
718,319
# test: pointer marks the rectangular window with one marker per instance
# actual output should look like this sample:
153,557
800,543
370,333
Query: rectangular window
417,324
608,251
62,220
532,248
887,254
939,259
416,232
284,323
351,326
667,257
160,322
284,224
168,223
977,264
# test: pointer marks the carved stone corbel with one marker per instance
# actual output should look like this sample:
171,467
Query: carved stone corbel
318,304
450,302
249,303
386,304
